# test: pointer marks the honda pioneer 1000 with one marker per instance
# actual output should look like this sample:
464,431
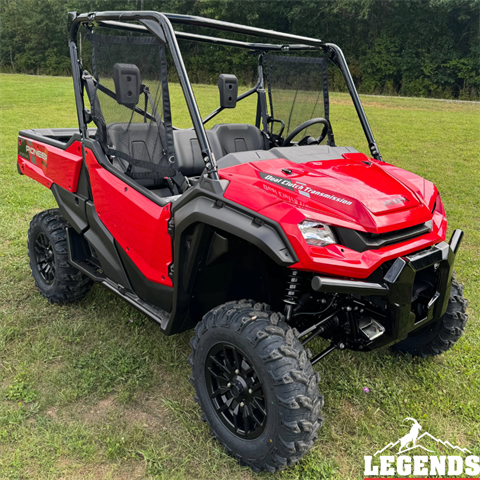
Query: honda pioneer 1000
262,236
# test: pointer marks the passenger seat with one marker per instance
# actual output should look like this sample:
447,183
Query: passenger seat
224,139
236,138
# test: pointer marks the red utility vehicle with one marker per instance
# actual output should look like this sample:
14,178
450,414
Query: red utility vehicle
262,236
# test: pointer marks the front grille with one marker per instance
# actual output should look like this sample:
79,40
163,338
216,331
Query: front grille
361,241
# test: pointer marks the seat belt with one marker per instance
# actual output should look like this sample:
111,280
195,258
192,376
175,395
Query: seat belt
178,183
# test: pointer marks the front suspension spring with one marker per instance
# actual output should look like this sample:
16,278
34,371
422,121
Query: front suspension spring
293,291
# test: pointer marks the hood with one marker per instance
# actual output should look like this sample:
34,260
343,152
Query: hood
353,191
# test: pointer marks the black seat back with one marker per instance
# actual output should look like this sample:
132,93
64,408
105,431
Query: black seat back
238,137
139,142
224,139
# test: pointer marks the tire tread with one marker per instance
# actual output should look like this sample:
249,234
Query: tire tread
296,383
70,284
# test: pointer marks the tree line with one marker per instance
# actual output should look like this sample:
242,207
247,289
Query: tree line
427,48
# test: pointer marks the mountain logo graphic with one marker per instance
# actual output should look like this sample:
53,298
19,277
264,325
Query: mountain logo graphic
409,441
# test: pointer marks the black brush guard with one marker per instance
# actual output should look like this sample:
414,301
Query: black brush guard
397,287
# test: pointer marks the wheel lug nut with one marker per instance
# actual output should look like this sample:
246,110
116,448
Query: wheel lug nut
229,384
237,371
250,390
242,404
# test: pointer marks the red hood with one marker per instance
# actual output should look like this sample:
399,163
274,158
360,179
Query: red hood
354,191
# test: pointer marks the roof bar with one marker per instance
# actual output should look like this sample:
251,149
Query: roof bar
97,17
206,39
236,28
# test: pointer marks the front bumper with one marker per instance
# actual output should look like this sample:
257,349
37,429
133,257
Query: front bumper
397,290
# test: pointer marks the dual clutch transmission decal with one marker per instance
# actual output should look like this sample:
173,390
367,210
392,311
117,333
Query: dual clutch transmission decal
301,188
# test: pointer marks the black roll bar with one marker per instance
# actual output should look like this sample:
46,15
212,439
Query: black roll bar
160,25
237,28
227,42
340,61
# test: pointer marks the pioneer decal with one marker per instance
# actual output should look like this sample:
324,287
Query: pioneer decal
301,188
37,154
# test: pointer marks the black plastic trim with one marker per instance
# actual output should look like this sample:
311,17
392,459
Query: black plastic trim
104,244
201,210
159,295
150,311
362,241
72,206
242,225
400,278
353,287
44,135
79,255
213,208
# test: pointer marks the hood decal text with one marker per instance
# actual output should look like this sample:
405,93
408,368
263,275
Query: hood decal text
301,188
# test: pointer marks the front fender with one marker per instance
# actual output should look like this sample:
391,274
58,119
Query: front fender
201,211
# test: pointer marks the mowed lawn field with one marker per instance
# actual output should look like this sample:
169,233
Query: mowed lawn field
95,390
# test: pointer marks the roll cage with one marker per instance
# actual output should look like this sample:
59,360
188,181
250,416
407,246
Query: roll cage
160,25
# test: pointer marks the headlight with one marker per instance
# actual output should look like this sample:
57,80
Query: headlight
317,234
438,207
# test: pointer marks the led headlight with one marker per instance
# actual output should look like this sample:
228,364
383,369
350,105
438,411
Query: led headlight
317,234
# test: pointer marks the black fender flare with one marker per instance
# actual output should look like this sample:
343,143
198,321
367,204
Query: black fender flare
202,209
251,227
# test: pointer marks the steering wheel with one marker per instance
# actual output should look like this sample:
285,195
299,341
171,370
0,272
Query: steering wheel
288,141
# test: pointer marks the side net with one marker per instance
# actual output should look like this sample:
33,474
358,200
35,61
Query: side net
297,91
131,105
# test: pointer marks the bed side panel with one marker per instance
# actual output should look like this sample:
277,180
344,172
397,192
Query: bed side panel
47,164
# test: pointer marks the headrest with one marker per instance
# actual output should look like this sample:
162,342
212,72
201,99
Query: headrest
126,77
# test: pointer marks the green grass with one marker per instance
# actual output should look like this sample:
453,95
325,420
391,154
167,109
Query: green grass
94,390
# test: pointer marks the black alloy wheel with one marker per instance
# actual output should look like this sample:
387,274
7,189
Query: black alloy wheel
255,385
44,258
55,278
236,391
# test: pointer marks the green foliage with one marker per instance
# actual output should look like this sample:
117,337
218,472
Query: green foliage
21,389
427,48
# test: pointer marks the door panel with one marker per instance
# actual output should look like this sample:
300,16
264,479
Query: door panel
138,225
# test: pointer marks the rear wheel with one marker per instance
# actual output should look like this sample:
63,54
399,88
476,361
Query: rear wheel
56,279
255,384
441,335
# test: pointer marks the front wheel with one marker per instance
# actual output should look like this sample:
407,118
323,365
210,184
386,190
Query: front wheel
255,385
440,335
